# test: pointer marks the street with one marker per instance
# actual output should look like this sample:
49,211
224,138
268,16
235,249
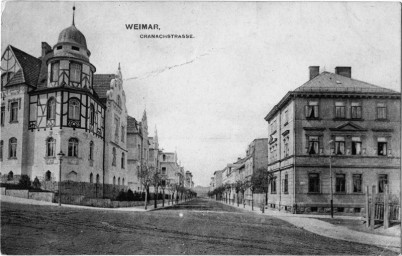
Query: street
199,226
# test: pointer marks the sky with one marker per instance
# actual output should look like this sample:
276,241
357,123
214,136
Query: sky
207,96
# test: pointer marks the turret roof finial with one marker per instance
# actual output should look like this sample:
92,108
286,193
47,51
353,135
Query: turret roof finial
73,13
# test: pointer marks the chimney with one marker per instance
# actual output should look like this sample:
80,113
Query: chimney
344,71
45,48
314,71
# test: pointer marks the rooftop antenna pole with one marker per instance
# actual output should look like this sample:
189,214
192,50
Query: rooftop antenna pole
73,13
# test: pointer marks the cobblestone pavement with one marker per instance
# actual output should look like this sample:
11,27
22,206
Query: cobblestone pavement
196,227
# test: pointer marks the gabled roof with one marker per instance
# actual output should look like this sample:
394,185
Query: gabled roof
330,82
30,68
102,84
132,125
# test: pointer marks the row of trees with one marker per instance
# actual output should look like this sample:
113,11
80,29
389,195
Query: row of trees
151,177
258,183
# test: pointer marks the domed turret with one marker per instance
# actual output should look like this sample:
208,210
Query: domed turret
72,35
72,43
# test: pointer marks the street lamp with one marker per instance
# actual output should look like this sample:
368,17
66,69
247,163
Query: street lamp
330,174
60,155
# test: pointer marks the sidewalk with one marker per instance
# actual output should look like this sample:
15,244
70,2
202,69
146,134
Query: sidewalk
313,224
18,200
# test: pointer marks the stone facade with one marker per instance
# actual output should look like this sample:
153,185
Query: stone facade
333,120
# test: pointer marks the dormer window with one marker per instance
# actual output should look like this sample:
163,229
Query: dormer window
75,48
75,72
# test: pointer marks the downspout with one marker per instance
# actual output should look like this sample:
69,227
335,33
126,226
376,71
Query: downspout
104,153
294,208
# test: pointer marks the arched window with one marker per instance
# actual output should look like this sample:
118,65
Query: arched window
72,176
73,147
97,178
91,177
122,160
114,180
118,101
118,181
48,176
91,150
164,157
51,109
74,109
10,175
123,182
13,148
92,114
114,156
50,147
75,72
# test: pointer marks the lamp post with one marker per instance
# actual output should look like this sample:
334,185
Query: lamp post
60,155
330,174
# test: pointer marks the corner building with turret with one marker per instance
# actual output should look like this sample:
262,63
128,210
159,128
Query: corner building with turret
55,103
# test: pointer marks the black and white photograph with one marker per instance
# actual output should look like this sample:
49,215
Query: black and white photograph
200,128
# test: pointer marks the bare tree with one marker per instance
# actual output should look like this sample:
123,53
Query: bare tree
155,182
146,175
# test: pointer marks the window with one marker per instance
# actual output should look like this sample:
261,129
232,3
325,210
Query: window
340,183
285,184
123,182
357,183
114,156
75,48
91,150
73,147
163,170
164,157
313,183
123,130
312,109
50,147
118,181
313,145
286,146
74,109
122,160
48,176
55,72
356,146
13,148
286,117
356,110
51,109
75,72
1,150
381,111
339,145
273,185
3,115
382,146
339,109
91,177
116,131
114,180
97,178
14,112
382,181
92,114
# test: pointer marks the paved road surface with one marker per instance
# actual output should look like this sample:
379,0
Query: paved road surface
196,227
